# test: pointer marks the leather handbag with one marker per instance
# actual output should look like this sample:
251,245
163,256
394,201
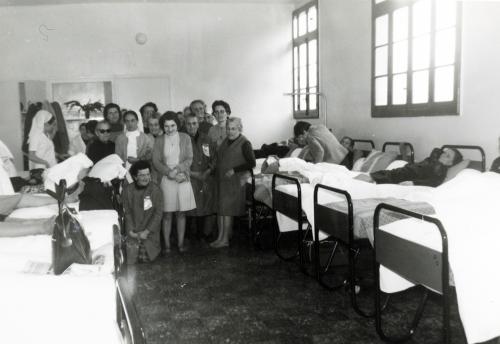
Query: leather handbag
69,242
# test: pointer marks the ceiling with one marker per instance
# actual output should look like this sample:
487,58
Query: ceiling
64,2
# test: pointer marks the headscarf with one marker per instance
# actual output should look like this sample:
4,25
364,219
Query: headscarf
39,121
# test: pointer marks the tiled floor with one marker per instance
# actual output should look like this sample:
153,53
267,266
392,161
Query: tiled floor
242,295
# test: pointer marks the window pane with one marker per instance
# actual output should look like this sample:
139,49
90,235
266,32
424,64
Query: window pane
381,91
295,57
303,77
313,98
302,100
296,103
379,1
302,23
399,89
400,57
312,21
445,47
313,51
446,12
295,30
421,52
421,17
313,76
296,80
400,24
420,87
381,30
443,84
381,61
303,55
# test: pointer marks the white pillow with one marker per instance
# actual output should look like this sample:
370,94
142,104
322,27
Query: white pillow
396,164
358,164
5,183
109,168
70,170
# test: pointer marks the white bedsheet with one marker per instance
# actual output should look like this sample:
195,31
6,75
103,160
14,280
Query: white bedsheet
75,308
468,208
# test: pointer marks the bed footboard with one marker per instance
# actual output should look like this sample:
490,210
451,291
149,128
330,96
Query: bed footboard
419,264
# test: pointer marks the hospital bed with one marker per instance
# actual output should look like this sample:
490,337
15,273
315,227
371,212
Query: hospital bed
86,304
337,223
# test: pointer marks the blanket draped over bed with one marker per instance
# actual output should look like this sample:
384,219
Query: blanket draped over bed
468,207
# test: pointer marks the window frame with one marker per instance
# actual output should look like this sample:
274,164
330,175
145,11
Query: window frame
430,108
296,42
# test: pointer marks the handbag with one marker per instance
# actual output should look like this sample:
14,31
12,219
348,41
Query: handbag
69,242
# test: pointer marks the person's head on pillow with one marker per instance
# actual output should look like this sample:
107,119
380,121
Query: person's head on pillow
450,157
300,132
348,143
141,173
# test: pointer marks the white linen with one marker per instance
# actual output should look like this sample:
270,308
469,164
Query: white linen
70,170
468,209
108,168
44,149
6,187
7,159
131,145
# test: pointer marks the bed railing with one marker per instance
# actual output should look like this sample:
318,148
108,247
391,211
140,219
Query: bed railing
340,226
365,142
398,144
291,207
419,264
479,165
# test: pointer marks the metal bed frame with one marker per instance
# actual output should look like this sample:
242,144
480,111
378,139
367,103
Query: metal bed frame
406,144
290,206
479,165
422,265
257,211
340,227
370,142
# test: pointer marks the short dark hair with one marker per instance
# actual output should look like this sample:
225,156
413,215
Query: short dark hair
458,156
196,101
111,106
151,104
170,116
139,165
130,112
92,125
350,140
300,127
223,104
84,125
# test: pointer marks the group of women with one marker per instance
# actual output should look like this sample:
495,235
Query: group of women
171,148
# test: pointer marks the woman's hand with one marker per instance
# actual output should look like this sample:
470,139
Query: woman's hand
172,173
180,177
133,235
229,173
143,235
132,160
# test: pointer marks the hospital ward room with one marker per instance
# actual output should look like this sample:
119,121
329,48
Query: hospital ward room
249,171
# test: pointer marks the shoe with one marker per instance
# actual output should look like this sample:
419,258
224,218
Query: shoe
183,249
221,244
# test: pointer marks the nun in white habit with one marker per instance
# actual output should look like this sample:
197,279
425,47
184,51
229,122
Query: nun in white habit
40,146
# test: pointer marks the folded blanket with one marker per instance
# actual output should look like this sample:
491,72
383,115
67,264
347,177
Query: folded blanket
109,168
70,170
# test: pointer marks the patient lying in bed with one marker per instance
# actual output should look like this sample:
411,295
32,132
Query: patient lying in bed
429,172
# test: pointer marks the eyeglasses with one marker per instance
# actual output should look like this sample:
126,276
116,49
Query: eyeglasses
102,131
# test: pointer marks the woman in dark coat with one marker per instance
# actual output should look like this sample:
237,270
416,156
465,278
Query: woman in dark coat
235,158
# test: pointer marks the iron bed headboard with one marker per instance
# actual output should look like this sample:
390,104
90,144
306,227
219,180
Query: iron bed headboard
479,165
406,144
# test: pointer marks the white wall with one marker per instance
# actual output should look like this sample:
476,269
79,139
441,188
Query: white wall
237,52
345,58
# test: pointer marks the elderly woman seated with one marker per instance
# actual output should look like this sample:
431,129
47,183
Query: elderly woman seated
429,172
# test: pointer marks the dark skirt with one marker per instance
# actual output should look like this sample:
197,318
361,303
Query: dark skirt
231,193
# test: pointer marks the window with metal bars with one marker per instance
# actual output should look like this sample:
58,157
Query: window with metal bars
305,61
415,58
